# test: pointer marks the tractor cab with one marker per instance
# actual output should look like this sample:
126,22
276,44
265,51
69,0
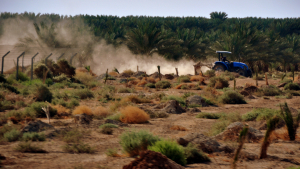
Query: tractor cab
223,64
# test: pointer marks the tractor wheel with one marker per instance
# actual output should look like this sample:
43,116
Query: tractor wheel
241,72
219,67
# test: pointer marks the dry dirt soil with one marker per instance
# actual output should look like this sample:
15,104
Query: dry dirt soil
282,153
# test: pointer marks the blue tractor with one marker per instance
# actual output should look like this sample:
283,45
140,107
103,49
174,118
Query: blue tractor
238,67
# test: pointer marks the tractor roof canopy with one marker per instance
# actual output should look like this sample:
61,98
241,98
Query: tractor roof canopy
223,52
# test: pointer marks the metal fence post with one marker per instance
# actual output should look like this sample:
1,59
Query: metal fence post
3,62
32,65
72,58
60,56
17,74
23,63
47,58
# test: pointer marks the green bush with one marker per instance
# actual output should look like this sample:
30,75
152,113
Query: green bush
270,91
12,135
292,86
43,94
210,73
21,114
183,79
124,90
150,85
58,86
2,79
72,103
170,149
180,100
285,80
162,84
259,114
232,97
9,87
37,108
83,93
223,122
48,82
33,136
193,155
21,76
135,141
40,68
108,125
61,78
210,115
72,136
218,82
79,148
26,147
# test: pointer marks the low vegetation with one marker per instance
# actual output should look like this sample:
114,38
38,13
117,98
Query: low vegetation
133,115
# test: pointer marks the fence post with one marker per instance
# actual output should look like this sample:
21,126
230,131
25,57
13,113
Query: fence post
176,71
23,63
72,58
32,65
60,56
17,73
3,61
47,58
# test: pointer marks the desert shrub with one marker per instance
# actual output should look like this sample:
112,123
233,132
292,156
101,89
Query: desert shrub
292,86
163,84
100,112
85,78
21,76
112,153
259,114
184,87
128,71
133,142
61,110
292,123
12,135
187,94
78,148
183,79
193,155
124,90
82,110
170,149
58,86
9,87
150,85
48,82
36,107
270,91
33,136
289,96
133,115
223,122
108,125
106,130
218,82
228,75
135,99
210,73
40,69
83,93
72,103
180,100
210,115
72,136
286,80
116,116
2,79
43,94
27,147
232,97
178,128
61,78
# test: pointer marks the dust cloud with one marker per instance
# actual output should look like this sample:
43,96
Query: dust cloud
21,33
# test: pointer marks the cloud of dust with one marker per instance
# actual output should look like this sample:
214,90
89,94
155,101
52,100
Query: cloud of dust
102,56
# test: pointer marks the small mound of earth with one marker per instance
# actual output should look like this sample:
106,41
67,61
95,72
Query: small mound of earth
172,107
138,74
124,75
155,75
232,133
281,85
101,77
169,76
151,159
250,90
37,126
82,118
196,100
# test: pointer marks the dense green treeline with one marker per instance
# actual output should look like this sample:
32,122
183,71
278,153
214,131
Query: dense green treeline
268,43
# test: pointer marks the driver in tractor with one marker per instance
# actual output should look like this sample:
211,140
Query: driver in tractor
224,59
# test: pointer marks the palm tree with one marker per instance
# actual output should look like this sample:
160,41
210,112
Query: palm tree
218,15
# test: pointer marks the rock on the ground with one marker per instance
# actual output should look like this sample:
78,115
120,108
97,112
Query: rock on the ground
281,84
193,110
232,133
155,75
198,100
82,119
151,159
169,76
171,107
115,122
250,89
201,141
37,126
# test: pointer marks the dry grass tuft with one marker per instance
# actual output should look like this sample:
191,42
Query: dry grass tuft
157,80
83,110
142,83
128,71
197,78
134,82
134,115
151,80
281,134
84,77
178,128
61,110
113,73
101,112
179,86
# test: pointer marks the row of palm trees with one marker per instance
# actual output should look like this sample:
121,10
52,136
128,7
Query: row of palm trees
267,43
